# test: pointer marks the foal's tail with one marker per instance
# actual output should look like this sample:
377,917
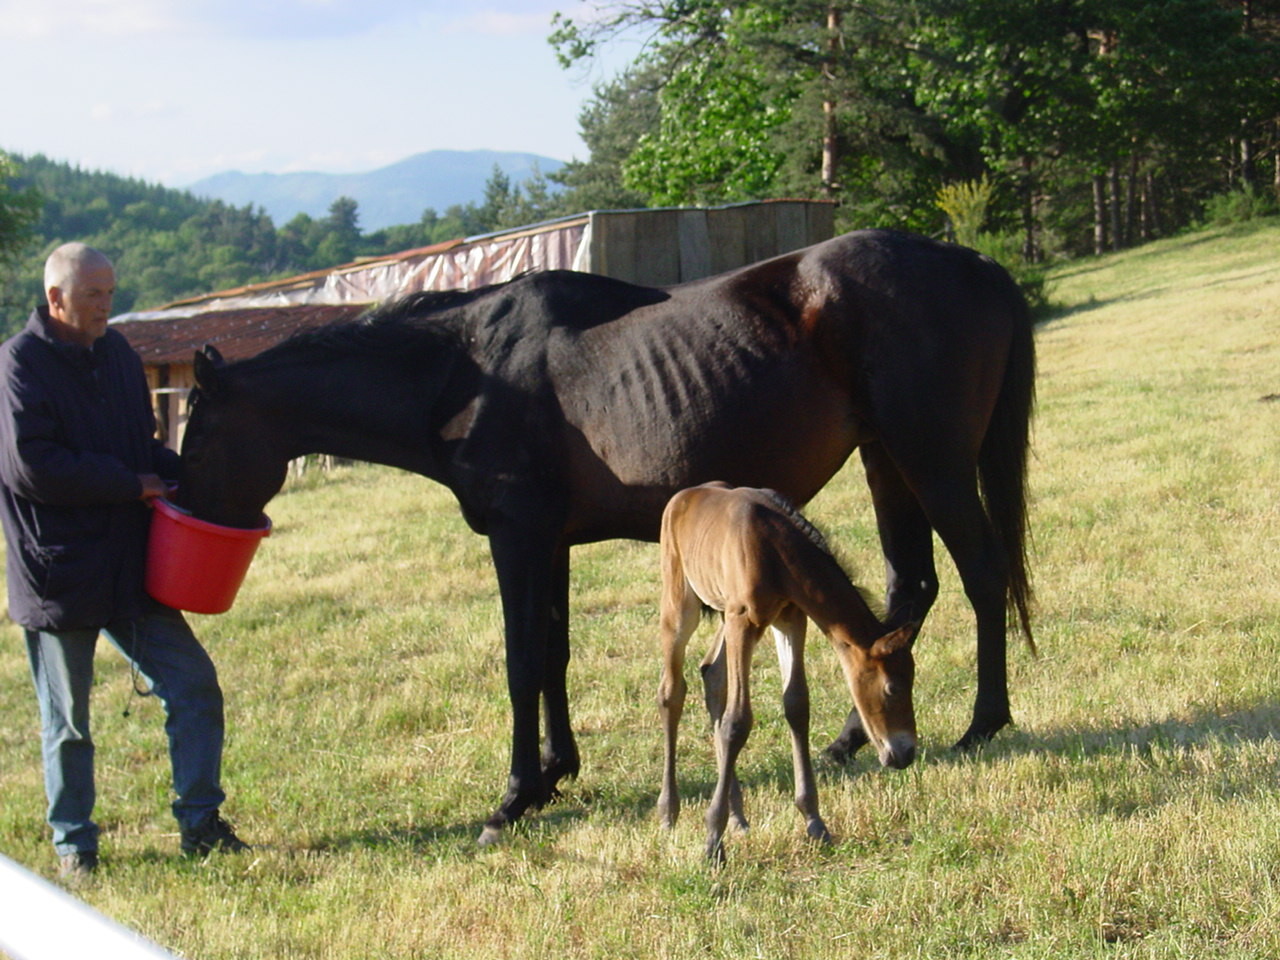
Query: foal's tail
1002,461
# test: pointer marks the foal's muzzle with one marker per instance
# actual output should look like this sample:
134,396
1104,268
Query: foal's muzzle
898,751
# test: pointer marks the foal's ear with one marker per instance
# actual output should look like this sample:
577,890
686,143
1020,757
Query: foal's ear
896,640
207,364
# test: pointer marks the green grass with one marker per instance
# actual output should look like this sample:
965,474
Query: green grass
1133,812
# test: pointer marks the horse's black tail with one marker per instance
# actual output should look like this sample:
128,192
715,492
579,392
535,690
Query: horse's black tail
1002,461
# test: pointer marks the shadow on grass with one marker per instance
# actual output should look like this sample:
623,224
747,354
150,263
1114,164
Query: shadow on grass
772,774
1251,724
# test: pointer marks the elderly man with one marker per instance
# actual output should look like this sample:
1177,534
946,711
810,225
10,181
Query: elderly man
79,464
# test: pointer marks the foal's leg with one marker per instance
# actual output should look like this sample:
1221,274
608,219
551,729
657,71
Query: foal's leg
906,539
714,685
788,636
678,618
740,638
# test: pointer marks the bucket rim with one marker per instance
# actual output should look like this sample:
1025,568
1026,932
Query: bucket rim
185,518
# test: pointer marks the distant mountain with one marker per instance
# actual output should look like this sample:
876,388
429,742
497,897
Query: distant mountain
392,195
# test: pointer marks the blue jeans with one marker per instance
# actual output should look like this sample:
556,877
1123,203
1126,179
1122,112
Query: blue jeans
162,648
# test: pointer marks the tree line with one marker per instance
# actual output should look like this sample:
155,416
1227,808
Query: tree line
169,244
1097,124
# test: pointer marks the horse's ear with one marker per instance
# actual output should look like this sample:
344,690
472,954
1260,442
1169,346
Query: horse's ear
207,364
896,640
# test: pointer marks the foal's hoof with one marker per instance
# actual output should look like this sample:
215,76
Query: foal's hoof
489,836
840,753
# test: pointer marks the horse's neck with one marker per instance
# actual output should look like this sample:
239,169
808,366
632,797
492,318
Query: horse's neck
352,415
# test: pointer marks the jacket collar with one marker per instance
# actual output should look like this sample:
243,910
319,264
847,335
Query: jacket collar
85,357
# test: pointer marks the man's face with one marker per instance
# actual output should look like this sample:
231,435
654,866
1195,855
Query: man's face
83,307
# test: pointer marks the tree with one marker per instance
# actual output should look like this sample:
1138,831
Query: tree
19,212
612,123
877,103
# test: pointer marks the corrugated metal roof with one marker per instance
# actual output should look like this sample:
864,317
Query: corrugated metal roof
305,279
236,333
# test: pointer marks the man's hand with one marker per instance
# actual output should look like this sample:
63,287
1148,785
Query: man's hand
152,487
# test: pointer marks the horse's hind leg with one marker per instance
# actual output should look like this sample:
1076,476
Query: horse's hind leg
788,635
906,538
714,686
980,560
559,749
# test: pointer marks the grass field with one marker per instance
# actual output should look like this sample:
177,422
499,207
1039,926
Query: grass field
1133,811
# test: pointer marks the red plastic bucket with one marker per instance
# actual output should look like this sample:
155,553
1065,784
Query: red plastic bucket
196,565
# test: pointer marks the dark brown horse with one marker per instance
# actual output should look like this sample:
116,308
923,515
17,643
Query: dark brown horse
563,408
750,555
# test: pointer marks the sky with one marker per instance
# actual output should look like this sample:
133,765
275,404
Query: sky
171,91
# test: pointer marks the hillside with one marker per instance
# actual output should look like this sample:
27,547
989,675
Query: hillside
392,195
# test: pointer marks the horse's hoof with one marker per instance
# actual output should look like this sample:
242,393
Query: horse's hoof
979,735
715,853
818,831
489,836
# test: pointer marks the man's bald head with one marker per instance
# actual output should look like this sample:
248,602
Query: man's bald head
79,282
69,261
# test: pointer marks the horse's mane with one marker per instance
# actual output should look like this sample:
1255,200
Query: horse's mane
401,326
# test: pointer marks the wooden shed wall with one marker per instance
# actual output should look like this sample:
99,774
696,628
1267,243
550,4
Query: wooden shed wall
664,247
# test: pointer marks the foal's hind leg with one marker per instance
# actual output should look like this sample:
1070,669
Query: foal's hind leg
788,635
714,685
906,538
679,615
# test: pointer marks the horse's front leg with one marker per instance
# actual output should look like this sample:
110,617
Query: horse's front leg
559,749
524,562
906,538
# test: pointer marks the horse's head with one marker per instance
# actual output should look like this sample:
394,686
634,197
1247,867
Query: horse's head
881,677
232,464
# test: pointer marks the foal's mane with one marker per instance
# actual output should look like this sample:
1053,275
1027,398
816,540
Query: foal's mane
806,525
816,537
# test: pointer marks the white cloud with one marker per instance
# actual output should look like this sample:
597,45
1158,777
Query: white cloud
499,23
101,18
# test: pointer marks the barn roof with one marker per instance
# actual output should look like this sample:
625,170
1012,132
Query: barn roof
654,247
236,333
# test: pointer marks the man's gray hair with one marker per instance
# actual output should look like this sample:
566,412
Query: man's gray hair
68,261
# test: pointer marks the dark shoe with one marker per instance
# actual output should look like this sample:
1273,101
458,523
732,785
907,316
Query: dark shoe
212,833
78,866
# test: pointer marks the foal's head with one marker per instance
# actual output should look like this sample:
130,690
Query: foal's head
881,677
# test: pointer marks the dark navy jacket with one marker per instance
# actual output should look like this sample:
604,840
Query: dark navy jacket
76,429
